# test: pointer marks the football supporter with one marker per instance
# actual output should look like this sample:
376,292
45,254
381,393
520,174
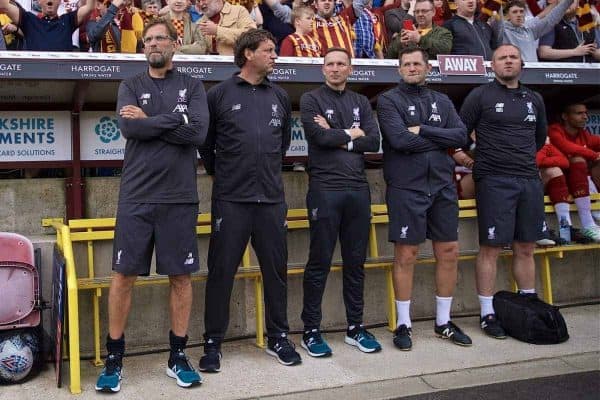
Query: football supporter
427,36
105,35
222,24
301,43
48,32
189,35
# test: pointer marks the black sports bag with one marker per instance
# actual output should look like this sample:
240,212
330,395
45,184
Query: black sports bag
529,319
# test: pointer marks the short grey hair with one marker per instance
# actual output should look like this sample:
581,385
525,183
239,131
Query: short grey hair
146,3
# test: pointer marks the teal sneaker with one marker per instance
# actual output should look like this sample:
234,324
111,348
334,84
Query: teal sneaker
111,375
313,343
179,368
362,339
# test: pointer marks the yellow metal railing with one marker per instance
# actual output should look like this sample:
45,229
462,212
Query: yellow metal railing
91,230
64,243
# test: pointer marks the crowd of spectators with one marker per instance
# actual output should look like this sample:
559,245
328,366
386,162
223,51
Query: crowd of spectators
544,30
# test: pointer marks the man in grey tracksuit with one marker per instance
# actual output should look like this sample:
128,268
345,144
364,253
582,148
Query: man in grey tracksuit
339,127
163,114
248,136
418,127
524,33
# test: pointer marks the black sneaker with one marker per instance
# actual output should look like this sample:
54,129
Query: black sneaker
557,239
454,333
403,338
528,295
284,350
211,360
491,326
577,236
546,239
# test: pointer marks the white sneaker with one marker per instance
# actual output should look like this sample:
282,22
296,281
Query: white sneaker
298,167
592,232
545,242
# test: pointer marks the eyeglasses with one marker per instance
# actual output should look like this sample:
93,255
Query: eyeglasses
158,38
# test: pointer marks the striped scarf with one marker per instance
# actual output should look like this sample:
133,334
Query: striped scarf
489,6
109,43
146,18
179,25
451,4
585,19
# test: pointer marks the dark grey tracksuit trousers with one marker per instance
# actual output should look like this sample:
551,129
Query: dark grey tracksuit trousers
333,213
233,224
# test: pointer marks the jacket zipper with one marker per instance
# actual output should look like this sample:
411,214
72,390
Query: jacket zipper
485,55
257,143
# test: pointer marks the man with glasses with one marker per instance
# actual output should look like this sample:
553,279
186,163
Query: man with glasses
163,114
427,36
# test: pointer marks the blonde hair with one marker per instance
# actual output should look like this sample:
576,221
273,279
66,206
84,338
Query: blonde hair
300,11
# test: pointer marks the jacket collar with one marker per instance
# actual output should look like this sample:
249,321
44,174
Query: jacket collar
499,84
227,8
327,88
412,89
240,81
186,16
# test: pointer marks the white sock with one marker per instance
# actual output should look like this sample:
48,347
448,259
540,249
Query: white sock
486,304
403,313
593,188
584,209
562,211
527,291
442,310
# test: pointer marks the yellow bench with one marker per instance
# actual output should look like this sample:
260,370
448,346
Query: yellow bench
91,230
98,229
467,209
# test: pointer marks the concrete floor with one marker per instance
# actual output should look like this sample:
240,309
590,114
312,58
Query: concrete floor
433,365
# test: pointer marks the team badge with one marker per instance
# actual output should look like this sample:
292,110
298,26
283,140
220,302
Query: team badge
435,116
182,98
